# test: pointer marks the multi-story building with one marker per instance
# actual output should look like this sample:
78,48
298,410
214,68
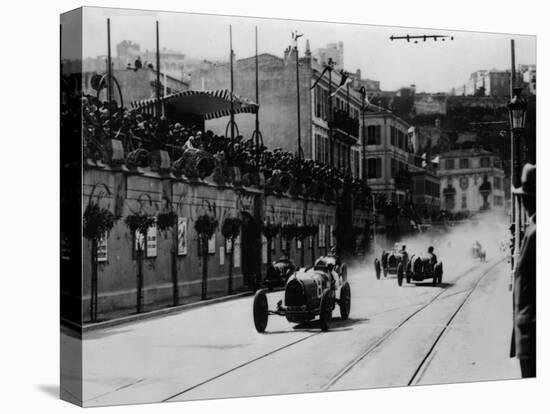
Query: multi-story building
372,87
388,151
471,180
334,51
278,106
528,73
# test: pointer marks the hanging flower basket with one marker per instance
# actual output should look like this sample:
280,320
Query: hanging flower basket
271,230
166,220
206,225
231,227
139,222
289,231
97,222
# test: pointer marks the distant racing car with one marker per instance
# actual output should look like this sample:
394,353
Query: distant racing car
309,293
390,260
422,267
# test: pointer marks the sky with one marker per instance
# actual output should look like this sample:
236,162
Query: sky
431,66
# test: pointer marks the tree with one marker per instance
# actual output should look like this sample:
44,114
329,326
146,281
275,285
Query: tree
140,223
205,226
168,221
97,223
231,228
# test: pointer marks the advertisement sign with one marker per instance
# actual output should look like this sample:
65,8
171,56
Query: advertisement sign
182,236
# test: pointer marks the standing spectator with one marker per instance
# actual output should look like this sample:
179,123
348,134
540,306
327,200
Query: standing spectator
137,64
525,282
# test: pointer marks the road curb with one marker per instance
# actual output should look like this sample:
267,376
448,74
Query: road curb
160,312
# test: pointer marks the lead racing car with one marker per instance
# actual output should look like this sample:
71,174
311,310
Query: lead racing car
423,267
390,261
309,293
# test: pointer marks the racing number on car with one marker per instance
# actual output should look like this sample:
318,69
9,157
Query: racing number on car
319,287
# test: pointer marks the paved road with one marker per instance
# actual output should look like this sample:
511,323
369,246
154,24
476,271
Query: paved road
416,334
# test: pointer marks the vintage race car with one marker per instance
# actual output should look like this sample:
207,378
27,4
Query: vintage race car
420,268
278,272
390,260
309,293
478,252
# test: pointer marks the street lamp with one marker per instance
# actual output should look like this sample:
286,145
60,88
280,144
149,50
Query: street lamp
517,108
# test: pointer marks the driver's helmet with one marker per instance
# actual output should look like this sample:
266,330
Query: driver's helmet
396,247
403,247
430,249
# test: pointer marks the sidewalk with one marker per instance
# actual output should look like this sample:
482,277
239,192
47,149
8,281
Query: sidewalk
88,327
476,345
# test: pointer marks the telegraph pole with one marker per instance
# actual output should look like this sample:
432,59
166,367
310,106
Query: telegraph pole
295,37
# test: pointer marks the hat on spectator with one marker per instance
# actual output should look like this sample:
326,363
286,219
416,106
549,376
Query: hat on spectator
528,185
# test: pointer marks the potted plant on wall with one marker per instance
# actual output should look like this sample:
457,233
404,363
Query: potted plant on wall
205,226
231,228
97,223
168,221
139,223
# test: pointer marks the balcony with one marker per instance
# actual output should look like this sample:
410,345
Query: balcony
342,121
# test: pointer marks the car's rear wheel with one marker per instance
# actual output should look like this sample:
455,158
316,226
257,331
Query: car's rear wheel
439,272
325,314
377,268
260,311
400,274
345,301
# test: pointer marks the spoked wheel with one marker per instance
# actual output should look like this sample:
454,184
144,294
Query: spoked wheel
260,311
400,274
439,273
377,268
345,301
325,316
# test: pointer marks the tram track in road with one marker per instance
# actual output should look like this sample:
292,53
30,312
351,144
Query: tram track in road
308,337
386,336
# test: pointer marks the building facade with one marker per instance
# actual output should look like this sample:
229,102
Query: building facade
334,51
388,152
278,116
471,180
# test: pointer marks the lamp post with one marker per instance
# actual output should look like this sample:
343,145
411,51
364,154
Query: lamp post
517,108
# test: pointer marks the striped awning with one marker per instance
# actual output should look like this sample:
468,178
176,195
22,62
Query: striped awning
208,104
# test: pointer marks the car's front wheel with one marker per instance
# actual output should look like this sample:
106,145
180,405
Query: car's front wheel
400,274
345,301
377,268
260,311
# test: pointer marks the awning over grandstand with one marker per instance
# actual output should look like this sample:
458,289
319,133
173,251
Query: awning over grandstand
206,104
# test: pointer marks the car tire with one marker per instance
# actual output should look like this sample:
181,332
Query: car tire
345,301
377,268
385,272
408,277
400,274
260,311
439,272
325,311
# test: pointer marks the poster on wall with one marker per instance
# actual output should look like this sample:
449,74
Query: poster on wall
264,249
222,256
152,241
212,244
102,249
321,235
237,252
331,236
139,242
182,236
227,246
